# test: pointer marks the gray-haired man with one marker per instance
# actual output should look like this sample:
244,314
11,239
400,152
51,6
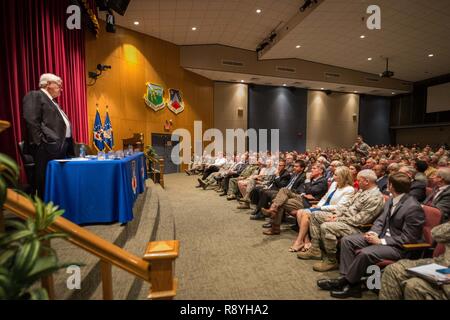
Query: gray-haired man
49,133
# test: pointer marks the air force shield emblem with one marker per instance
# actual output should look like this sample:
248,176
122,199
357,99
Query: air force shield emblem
176,103
154,97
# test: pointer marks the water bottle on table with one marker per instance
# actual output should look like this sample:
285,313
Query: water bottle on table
82,151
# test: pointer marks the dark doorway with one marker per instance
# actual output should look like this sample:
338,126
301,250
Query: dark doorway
163,146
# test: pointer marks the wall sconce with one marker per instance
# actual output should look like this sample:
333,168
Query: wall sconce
240,110
355,117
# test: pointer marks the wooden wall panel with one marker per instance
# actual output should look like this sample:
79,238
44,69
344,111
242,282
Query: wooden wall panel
136,59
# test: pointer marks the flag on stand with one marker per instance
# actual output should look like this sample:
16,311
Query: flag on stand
98,133
108,136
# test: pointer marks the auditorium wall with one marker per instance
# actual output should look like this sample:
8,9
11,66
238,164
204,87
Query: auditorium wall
230,106
135,59
332,119
280,108
423,136
374,115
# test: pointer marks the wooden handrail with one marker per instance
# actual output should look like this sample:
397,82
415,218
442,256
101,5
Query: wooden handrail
160,163
109,253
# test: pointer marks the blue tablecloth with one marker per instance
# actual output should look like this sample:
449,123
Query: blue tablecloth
96,191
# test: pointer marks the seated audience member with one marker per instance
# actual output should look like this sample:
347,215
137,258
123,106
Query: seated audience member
234,172
401,222
216,176
339,193
393,168
264,194
218,163
250,170
382,178
397,283
370,163
291,191
328,227
331,169
418,189
264,176
292,200
421,166
440,196
354,169
432,163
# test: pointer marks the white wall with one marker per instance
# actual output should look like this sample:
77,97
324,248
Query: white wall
330,119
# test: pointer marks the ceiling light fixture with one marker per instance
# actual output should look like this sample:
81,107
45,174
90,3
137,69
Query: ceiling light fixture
258,10
355,91
362,36
284,84
242,80
431,55
136,23
298,46
370,59
393,92
321,88
194,28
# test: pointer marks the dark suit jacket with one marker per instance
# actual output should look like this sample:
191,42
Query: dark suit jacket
281,181
317,188
45,124
418,190
299,182
442,202
382,184
405,224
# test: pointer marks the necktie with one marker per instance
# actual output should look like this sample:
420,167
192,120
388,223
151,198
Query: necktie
432,196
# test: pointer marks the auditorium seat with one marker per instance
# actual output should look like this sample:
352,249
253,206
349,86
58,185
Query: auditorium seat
432,219
28,162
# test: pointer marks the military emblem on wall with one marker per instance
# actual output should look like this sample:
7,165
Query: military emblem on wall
176,103
154,97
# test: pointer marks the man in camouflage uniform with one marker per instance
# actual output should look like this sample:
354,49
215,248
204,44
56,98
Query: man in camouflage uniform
363,208
250,170
397,284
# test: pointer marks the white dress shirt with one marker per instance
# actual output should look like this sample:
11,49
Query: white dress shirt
64,116
395,201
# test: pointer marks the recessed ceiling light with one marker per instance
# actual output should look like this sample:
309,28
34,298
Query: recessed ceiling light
431,55
298,46
362,36
194,28
258,10
136,23
370,59
284,84
393,92
321,88
242,80
355,91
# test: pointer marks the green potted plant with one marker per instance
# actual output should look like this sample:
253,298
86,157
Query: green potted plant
24,256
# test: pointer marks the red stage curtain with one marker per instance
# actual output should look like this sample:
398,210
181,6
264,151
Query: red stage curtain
35,40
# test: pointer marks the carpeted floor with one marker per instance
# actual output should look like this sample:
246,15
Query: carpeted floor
224,255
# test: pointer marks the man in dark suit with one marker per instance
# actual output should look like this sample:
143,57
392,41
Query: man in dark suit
382,178
296,197
49,133
401,222
440,197
418,188
261,196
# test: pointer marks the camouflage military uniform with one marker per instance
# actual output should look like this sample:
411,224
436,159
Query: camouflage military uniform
397,284
247,172
363,208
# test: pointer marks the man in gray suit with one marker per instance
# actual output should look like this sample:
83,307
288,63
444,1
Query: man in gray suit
401,222
440,197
